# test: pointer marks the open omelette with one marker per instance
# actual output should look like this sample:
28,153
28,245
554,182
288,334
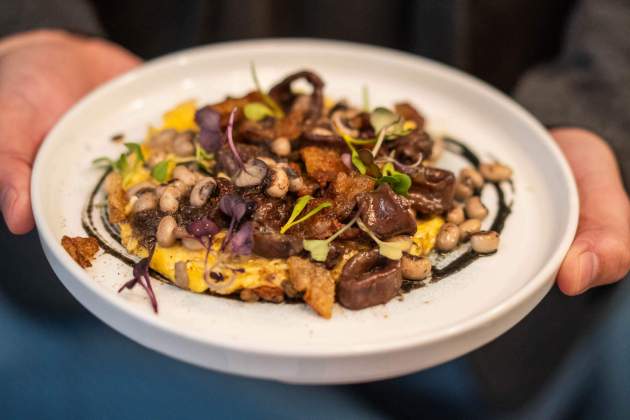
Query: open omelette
289,196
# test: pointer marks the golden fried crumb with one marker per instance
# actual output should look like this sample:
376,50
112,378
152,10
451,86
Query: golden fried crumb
116,198
82,250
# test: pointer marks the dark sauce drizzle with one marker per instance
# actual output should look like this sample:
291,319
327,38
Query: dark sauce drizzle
454,266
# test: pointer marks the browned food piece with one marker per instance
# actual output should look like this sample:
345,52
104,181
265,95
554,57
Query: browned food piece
225,107
409,113
269,293
411,147
270,213
226,162
271,244
369,279
345,189
316,282
82,250
284,96
322,225
322,163
432,190
116,198
257,131
386,213
292,125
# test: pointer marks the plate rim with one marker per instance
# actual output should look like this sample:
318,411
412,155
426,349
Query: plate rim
480,87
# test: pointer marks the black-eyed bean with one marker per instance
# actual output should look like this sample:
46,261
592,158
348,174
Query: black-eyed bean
448,237
495,172
202,191
475,208
470,176
165,234
469,227
485,242
415,268
456,215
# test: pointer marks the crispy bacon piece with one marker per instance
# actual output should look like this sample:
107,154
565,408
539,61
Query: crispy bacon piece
316,283
82,250
116,198
322,163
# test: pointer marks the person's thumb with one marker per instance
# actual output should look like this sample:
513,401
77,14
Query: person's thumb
15,173
600,253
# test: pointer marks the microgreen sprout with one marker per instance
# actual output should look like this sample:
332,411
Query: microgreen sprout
319,247
389,249
268,101
300,204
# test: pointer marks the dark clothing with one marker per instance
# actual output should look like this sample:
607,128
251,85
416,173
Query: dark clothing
575,76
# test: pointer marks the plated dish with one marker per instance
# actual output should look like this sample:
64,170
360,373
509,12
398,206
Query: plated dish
290,342
286,196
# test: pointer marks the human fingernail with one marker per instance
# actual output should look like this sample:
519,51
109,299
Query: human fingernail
588,269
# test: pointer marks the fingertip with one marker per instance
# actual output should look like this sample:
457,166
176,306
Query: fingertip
579,270
16,209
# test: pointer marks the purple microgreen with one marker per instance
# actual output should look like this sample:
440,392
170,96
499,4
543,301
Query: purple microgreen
234,206
371,168
141,276
401,165
207,118
243,240
202,228
209,122
230,137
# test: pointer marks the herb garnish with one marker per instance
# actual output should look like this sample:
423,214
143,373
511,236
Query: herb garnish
389,249
141,276
319,247
160,172
269,103
399,181
256,111
300,204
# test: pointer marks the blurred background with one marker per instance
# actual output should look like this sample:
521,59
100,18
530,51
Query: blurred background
569,359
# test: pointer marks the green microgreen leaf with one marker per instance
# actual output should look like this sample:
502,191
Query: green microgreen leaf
365,94
268,100
203,158
256,111
356,160
382,117
400,182
307,216
121,164
134,148
389,249
103,162
160,171
319,248
297,209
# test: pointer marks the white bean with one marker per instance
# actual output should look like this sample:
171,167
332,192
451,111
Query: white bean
485,242
448,237
475,208
165,234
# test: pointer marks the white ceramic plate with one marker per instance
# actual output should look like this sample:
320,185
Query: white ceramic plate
288,342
